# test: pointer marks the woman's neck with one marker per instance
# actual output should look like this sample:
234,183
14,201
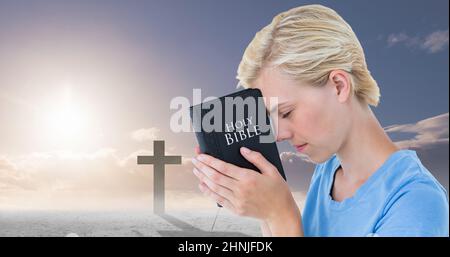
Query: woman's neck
366,148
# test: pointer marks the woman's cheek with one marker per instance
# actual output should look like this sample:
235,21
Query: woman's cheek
314,130
306,126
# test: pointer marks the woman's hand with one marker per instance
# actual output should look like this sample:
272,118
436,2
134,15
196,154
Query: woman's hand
264,195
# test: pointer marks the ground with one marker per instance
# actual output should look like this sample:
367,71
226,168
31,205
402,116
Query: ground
124,223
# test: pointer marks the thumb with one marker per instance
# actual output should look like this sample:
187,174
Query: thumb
259,161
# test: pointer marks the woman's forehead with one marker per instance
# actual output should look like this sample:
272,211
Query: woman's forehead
273,83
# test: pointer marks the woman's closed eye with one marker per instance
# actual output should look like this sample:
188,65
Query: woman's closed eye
286,114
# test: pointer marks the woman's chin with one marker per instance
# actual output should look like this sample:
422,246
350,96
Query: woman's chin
318,158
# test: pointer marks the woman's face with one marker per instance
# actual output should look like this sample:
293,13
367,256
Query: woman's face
315,116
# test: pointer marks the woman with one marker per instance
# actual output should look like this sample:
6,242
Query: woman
363,185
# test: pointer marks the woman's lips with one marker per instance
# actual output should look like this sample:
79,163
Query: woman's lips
301,148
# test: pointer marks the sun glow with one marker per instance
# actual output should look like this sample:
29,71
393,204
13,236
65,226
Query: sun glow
66,122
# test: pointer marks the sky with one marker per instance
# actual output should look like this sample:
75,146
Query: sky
85,87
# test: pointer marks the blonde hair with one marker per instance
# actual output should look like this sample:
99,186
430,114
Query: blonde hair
308,42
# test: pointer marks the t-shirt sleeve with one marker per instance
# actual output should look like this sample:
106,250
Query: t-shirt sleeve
419,209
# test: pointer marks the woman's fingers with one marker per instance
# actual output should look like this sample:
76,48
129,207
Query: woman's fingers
216,197
259,161
214,175
197,150
220,190
228,169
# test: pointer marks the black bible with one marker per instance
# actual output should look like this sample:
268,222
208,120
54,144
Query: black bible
223,125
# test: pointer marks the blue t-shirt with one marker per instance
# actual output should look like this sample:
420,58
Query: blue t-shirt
401,198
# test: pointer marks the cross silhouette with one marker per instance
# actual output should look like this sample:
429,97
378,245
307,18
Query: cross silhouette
159,161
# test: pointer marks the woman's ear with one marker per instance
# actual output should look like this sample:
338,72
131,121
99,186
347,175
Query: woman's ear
341,83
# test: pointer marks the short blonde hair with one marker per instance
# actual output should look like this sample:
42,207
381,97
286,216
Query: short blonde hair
308,42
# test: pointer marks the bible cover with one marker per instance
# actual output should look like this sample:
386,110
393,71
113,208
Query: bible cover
244,128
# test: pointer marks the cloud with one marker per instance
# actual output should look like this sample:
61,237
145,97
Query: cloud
11,178
6,164
434,42
290,156
298,169
397,38
143,134
94,179
426,132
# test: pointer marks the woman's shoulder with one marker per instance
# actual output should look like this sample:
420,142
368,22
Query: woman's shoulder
416,201
405,171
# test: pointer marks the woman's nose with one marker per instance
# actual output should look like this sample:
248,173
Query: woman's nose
283,134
